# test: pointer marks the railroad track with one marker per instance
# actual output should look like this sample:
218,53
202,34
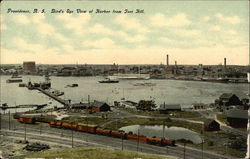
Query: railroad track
84,139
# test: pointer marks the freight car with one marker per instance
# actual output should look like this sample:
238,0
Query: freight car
118,134
105,132
94,130
160,142
136,137
26,120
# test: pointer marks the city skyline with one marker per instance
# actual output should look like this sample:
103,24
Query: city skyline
190,32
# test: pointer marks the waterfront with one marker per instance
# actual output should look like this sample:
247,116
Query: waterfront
169,91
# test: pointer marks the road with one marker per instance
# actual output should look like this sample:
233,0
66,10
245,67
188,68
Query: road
64,138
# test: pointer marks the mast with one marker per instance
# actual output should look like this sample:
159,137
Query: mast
248,124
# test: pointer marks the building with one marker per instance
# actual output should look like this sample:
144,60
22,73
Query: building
166,108
128,104
80,105
97,106
211,125
29,67
227,99
237,118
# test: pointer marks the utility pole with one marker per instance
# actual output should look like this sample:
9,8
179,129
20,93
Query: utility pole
72,138
0,121
138,139
40,128
122,143
9,120
184,151
25,132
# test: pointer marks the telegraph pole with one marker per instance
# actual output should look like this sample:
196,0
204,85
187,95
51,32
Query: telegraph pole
25,132
9,120
0,121
40,128
122,143
72,138
138,139
184,151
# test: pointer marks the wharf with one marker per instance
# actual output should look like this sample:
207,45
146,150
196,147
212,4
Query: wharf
24,106
66,103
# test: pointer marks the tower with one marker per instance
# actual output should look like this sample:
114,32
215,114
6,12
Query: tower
167,61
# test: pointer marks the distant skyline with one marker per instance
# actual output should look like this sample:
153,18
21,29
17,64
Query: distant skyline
190,32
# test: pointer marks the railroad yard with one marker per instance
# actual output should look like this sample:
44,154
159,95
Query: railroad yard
43,127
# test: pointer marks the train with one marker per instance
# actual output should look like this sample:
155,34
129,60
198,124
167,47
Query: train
93,129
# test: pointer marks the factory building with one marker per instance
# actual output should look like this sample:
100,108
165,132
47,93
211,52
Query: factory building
29,67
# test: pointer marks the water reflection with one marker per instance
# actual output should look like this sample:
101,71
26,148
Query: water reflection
174,133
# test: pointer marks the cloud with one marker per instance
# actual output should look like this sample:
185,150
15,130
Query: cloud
22,19
228,19
100,29
178,20
130,23
74,23
215,28
186,32
166,40
104,43
23,45
131,39
205,18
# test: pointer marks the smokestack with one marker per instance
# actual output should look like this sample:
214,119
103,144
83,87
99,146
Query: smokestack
225,62
175,63
167,62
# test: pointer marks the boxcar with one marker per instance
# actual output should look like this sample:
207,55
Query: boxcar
137,137
26,120
168,142
154,141
105,132
119,134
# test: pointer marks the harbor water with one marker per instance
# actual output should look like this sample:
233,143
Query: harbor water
185,93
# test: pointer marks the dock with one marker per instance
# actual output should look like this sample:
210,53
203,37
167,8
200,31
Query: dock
23,106
66,103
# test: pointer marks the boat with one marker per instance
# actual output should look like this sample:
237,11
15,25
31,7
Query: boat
109,81
15,75
57,93
14,80
144,84
130,76
72,85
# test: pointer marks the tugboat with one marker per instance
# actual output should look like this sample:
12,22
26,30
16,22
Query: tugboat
14,78
108,80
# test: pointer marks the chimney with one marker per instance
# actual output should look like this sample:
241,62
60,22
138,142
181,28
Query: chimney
167,61
175,63
225,62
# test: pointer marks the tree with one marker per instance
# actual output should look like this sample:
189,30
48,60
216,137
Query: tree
147,105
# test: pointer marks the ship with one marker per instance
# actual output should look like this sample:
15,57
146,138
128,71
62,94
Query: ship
57,93
14,80
109,81
144,84
130,76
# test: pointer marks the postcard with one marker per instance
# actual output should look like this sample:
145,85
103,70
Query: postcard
124,79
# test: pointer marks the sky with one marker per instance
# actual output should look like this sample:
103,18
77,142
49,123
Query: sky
190,32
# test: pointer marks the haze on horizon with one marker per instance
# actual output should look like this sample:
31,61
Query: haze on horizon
190,33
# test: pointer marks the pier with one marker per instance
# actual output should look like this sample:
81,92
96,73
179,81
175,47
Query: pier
66,103
4,107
